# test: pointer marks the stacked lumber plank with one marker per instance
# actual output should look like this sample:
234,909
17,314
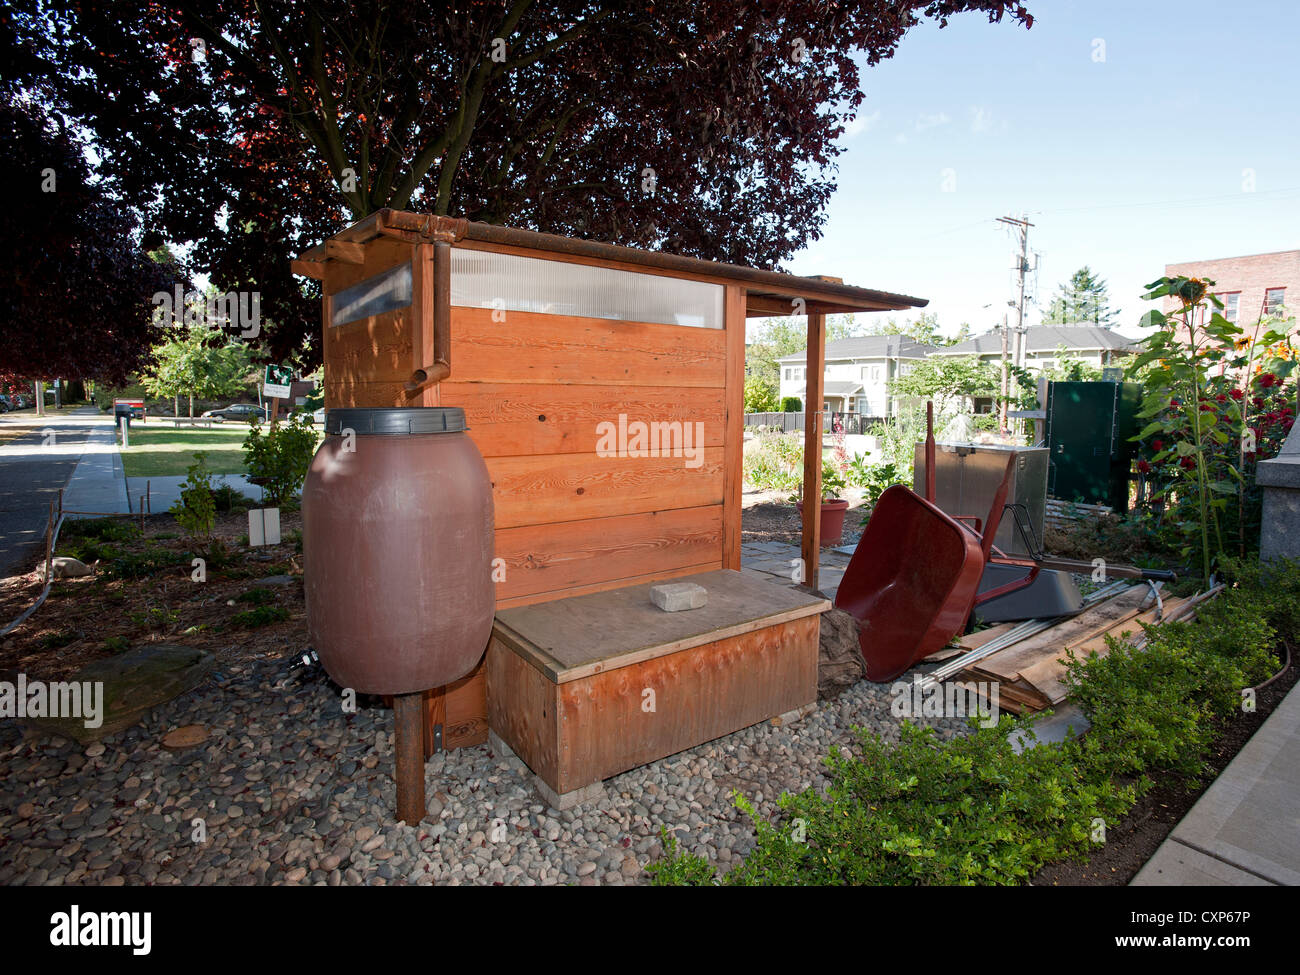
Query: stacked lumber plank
1030,674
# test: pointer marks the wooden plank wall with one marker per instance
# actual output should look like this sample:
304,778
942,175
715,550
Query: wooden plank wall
534,388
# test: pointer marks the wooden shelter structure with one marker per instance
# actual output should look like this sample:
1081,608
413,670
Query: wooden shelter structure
549,344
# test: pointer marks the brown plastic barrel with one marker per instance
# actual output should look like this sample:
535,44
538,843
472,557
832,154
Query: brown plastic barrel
397,549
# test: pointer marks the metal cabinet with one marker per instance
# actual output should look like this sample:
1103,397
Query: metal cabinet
1088,431
967,476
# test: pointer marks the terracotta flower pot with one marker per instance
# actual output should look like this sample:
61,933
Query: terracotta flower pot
833,521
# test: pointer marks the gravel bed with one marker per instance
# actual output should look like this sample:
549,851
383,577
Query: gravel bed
291,790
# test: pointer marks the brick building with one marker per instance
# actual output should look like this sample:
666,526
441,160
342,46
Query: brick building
1247,285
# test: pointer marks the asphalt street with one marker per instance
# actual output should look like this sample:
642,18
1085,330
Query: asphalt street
33,466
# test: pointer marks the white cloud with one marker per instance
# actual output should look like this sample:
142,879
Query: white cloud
924,122
862,123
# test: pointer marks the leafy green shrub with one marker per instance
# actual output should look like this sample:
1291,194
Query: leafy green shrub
278,459
776,464
260,616
154,618
256,597
873,478
139,565
228,499
101,529
833,483
96,539
926,811
791,404
117,644
678,869
972,811
196,510
88,550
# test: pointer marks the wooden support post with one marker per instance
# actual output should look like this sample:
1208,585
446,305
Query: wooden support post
812,449
734,434
49,544
408,749
327,319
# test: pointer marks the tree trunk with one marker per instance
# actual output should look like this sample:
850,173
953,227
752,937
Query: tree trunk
176,404
191,405
40,398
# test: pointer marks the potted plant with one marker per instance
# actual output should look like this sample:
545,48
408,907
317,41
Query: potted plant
833,507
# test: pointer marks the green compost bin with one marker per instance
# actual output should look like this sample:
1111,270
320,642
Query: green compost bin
1088,434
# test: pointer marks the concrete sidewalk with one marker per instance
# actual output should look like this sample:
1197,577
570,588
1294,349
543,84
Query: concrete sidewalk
98,484
160,493
1245,829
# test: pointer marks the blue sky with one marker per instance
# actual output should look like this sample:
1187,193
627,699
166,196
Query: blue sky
1181,144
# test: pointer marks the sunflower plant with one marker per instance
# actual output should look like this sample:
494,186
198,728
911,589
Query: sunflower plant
1217,401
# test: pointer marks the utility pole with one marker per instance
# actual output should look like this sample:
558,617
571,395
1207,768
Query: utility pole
1006,388
1022,268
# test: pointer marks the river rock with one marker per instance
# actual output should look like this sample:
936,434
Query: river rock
134,683
66,567
186,736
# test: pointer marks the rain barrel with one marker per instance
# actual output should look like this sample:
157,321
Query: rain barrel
397,549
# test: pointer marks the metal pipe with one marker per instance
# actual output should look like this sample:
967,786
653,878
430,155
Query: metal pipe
1015,635
431,306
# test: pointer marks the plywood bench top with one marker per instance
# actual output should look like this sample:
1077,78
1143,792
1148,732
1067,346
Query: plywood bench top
579,636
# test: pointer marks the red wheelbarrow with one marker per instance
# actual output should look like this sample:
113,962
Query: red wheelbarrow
915,574
914,579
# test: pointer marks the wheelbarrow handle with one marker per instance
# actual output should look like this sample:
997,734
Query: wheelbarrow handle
1114,571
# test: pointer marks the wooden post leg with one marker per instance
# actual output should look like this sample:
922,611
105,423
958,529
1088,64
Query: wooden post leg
810,547
408,746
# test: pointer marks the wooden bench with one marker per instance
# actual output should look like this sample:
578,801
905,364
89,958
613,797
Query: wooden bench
191,420
587,687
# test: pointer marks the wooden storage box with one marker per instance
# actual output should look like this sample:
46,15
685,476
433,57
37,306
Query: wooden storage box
589,686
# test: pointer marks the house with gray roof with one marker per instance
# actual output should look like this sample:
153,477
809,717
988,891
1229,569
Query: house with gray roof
857,372
1094,345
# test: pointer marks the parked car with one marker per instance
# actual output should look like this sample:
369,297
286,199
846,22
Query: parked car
248,412
5,406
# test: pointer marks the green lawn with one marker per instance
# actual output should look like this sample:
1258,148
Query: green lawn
159,449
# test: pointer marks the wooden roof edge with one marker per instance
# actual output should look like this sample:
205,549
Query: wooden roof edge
414,226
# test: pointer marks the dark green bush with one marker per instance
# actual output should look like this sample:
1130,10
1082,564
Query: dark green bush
228,499
139,565
973,811
101,529
260,616
278,458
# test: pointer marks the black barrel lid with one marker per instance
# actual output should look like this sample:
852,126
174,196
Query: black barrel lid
395,421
